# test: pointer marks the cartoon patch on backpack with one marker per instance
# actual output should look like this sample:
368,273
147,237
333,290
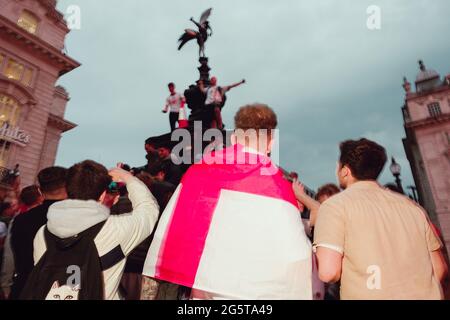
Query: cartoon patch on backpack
65,292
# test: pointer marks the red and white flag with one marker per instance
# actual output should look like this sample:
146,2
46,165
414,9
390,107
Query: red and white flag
232,231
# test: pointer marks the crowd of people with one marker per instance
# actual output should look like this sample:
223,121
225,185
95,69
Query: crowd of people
213,231
25,212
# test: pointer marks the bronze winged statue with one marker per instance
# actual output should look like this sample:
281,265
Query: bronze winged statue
202,35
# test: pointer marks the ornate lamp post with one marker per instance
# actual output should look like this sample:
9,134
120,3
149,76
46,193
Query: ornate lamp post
396,171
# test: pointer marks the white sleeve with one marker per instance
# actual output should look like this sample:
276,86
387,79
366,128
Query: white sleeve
7,271
133,228
39,246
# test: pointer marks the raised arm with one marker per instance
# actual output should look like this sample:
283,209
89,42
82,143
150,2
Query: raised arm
135,227
307,201
237,84
196,23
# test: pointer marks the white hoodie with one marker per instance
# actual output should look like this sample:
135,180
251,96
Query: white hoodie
70,217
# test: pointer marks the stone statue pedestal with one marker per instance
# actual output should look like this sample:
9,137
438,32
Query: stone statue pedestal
204,70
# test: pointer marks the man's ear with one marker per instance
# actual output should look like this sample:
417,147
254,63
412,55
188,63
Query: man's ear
270,144
347,172
102,197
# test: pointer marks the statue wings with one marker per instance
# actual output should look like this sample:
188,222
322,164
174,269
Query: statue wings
205,16
187,36
190,34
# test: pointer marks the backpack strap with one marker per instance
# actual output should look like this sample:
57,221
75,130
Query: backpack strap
112,258
107,261
51,239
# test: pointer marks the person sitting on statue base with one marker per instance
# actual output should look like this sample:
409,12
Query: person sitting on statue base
215,98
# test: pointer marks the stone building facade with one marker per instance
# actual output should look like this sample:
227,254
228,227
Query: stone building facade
427,144
32,106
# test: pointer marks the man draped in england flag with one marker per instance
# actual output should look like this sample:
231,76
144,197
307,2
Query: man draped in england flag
232,230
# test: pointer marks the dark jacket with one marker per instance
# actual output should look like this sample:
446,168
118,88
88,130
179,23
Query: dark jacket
173,172
23,231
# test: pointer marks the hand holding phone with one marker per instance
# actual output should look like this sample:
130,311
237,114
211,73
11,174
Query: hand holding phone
120,175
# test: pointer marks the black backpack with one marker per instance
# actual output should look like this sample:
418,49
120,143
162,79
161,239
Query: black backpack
71,268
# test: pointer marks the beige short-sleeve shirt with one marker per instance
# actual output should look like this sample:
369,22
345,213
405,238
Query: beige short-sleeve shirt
385,239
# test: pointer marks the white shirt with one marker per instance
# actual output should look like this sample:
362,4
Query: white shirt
126,230
174,102
213,95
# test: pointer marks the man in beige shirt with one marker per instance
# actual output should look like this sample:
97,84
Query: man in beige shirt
377,242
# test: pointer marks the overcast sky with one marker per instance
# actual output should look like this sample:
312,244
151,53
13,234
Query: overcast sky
328,77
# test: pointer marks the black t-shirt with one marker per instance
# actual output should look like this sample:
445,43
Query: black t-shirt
23,231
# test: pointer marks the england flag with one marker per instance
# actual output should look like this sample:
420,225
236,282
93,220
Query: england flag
232,230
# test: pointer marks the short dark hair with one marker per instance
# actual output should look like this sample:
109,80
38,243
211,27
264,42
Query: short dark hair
87,180
256,116
30,195
52,179
150,141
160,166
328,190
171,84
366,159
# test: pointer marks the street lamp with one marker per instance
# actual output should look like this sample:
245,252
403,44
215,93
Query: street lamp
396,169
414,193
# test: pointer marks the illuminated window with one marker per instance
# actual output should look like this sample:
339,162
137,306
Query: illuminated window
14,70
28,21
27,77
9,114
17,71
9,110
